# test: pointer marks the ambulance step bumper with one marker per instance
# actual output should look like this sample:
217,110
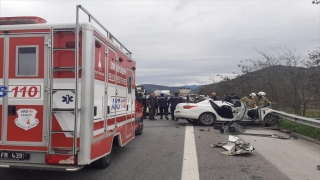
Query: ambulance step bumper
46,167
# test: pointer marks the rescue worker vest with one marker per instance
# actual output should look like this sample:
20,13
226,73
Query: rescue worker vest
250,103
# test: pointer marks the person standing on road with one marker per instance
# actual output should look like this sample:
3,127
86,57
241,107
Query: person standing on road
227,98
214,97
174,101
152,103
144,103
163,106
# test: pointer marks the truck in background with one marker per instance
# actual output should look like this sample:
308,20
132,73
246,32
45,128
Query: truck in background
184,91
157,93
141,89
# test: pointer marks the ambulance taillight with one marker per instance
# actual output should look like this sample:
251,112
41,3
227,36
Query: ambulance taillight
60,159
21,20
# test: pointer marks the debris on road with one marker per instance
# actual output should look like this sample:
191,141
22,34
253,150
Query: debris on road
234,128
278,136
234,146
201,129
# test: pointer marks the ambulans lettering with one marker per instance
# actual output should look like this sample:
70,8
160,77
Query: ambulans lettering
118,103
120,80
119,68
26,119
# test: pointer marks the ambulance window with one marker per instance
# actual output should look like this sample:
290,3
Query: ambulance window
129,85
27,61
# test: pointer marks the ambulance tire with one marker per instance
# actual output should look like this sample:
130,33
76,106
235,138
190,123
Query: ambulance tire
103,162
140,130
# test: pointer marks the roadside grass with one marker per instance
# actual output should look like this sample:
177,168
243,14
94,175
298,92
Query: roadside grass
300,129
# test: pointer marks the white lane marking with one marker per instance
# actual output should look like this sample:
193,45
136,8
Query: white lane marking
190,170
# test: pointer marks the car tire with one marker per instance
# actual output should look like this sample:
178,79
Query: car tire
270,119
140,130
103,162
207,119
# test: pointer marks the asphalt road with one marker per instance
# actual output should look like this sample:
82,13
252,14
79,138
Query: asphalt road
160,154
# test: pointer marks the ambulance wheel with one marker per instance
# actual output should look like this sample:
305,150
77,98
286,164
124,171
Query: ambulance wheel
103,162
140,130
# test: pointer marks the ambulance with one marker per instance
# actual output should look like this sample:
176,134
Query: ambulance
67,94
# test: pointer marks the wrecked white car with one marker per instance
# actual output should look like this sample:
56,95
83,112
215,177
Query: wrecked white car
207,112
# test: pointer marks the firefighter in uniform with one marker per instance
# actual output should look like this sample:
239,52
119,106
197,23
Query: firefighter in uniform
152,103
261,99
173,101
250,100
163,106
251,103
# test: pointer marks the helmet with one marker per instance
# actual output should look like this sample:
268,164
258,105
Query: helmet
252,94
261,93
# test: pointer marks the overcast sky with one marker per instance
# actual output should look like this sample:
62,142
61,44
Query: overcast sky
184,42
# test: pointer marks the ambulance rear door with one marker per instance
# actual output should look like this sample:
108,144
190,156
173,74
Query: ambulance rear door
25,77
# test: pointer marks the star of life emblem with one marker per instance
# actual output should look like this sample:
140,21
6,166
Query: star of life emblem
26,119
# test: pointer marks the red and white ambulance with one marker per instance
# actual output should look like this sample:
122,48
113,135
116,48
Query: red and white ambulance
68,93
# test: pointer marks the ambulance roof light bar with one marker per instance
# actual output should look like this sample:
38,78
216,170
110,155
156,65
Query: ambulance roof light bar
21,20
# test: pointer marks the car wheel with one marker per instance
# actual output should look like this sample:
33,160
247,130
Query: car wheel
270,119
191,121
140,130
103,162
207,119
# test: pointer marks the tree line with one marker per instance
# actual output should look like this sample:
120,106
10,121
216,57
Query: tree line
288,79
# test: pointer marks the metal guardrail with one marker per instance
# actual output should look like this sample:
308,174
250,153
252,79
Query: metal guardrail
298,119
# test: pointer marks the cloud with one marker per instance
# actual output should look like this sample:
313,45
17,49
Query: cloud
182,4
186,42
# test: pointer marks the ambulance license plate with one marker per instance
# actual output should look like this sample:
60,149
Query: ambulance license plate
5,155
